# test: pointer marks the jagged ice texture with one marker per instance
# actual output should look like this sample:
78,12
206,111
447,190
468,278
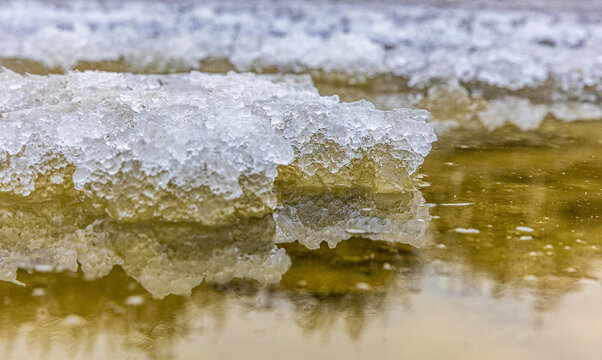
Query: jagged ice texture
193,147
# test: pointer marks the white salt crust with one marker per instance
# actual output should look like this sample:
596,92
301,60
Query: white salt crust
511,49
178,147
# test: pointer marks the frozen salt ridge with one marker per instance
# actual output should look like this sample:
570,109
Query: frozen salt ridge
528,116
196,147
452,105
557,50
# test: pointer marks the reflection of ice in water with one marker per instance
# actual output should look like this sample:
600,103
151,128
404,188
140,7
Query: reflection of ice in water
153,147
117,310
396,217
172,258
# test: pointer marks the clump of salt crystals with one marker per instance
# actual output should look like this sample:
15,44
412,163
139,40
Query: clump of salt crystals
195,147
187,178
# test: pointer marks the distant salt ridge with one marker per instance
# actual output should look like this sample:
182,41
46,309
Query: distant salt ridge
508,49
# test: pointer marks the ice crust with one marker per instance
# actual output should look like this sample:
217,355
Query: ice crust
194,177
509,49
195,147
452,105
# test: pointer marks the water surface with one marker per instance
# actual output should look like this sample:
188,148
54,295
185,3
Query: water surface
503,215
511,268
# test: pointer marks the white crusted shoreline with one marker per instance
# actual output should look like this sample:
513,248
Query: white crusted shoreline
510,49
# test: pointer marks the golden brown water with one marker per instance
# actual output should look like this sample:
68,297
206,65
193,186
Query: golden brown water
511,269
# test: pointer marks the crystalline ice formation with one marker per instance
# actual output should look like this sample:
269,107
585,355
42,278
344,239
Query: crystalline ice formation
196,147
67,232
192,177
452,105
509,49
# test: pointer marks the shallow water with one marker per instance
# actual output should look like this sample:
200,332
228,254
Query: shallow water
502,218
511,268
